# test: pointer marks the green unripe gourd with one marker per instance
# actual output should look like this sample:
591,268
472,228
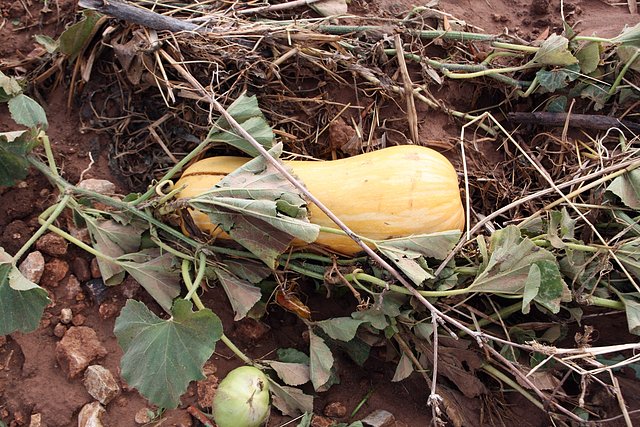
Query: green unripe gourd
242,399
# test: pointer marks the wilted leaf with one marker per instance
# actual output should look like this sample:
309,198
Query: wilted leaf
14,166
629,36
289,400
47,42
409,253
73,39
552,80
356,349
531,288
627,188
22,302
242,295
320,361
555,51
508,269
404,369
330,7
589,57
340,328
9,87
156,273
626,53
250,270
247,113
632,311
291,373
161,356
114,240
259,209
561,227
27,112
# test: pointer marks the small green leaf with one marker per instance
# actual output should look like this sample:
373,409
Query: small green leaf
242,294
555,51
14,166
289,400
627,188
320,361
409,253
509,269
76,36
161,356
156,273
340,328
589,57
247,113
27,112
22,302
305,421
47,42
552,80
632,310
291,355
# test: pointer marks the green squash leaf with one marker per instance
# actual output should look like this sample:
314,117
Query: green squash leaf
161,356
340,328
22,302
27,112
320,363
555,51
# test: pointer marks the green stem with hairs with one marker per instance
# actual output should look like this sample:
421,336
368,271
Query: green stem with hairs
56,210
606,303
198,303
620,76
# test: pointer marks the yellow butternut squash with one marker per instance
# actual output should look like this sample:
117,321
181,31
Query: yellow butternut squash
394,192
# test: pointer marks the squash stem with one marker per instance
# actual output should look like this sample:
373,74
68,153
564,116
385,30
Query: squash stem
186,265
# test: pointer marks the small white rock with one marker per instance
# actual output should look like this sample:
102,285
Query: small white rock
91,415
101,186
101,384
33,266
66,315
379,418
36,420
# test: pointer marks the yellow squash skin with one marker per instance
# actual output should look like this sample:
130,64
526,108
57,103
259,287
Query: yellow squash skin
394,192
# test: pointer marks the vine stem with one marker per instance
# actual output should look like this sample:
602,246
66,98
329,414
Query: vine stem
186,266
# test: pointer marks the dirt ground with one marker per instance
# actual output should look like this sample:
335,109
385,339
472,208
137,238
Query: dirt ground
31,380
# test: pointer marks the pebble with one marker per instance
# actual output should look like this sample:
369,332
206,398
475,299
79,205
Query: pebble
379,418
318,421
78,320
81,269
66,315
54,271
95,269
73,288
335,410
59,330
36,420
33,266
100,186
91,415
108,310
52,244
143,416
101,384
77,349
